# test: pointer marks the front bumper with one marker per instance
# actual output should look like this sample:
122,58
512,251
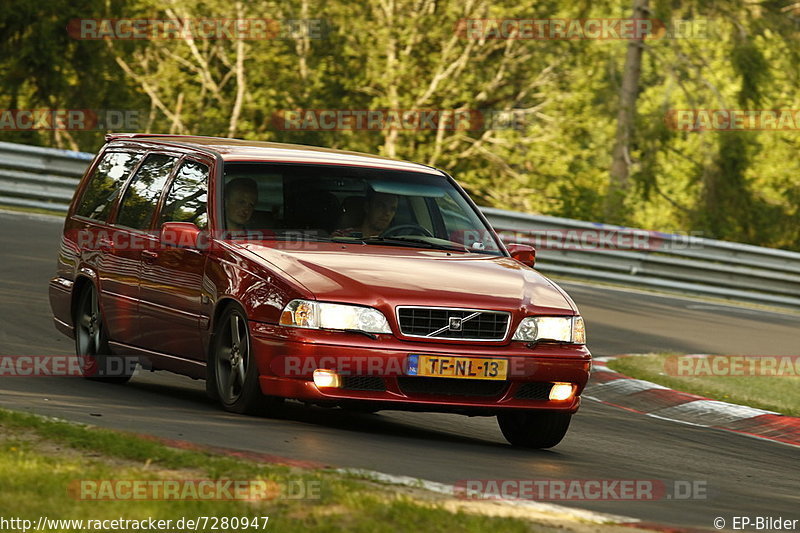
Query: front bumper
374,372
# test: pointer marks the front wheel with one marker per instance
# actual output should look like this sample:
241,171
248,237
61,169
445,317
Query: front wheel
232,373
533,429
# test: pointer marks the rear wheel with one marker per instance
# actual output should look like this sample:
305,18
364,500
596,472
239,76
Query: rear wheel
232,373
91,342
533,429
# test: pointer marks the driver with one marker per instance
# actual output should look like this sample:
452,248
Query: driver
379,211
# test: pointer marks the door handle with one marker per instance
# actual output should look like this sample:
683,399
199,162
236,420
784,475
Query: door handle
149,256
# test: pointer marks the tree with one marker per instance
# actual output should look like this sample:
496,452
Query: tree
621,159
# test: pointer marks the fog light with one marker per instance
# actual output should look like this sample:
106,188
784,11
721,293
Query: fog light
560,391
327,378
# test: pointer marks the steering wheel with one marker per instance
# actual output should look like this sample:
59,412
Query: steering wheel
406,229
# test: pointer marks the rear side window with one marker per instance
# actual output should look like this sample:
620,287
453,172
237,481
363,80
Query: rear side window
187,196
105,183
141,196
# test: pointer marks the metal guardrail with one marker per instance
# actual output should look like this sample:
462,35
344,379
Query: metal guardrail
46,178
31,176
629,256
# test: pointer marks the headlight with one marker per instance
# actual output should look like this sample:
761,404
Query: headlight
551,328
318,315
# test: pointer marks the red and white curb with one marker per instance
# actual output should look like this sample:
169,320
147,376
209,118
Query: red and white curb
613,388
553,510
549,510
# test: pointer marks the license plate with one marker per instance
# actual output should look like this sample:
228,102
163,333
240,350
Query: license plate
457,367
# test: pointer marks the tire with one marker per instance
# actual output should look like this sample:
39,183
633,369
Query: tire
533,429
91,342
232,375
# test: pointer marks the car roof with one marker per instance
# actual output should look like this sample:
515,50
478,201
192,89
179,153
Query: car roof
260,151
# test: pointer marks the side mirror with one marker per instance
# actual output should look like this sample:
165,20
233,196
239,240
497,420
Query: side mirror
180,234
523,253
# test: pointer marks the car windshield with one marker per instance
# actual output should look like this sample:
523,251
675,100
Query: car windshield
268,201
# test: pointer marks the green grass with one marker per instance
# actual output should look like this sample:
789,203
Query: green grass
780,394
40,459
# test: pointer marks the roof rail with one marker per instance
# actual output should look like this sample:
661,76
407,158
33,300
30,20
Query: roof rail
114,136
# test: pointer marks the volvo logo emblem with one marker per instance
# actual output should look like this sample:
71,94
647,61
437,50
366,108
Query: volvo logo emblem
454,323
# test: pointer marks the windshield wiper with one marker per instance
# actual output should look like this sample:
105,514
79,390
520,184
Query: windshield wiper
414,242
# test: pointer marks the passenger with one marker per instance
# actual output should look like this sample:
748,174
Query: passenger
241,197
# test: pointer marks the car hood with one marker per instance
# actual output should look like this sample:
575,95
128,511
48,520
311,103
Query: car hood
385,275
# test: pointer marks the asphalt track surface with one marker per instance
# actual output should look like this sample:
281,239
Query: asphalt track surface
743,476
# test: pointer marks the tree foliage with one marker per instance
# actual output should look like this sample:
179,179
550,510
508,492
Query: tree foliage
408,54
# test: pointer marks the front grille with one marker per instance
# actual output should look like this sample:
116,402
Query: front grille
533,391
363,383
451,386
437,323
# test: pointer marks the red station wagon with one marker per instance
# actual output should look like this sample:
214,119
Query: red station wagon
334,278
